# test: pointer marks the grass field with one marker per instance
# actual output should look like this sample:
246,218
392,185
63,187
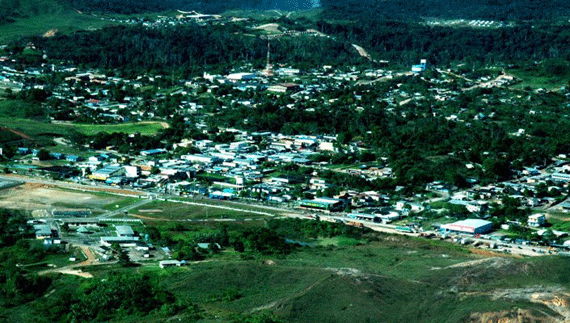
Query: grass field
126,201
42,131
534,80
385,278
393,280
144,128
40,16
179,211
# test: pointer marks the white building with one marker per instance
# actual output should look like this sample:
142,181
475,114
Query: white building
536,220
132,171
238,145
234,77
473,226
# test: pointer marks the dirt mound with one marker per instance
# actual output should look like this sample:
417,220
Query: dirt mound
50,33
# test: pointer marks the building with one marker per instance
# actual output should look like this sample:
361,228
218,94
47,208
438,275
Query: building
238,145
288,71
23,151
108,241
151,152
234,77
124,231
105,173
318,184
536,220
133,171
365,217
284,88
74,158
561,177
202,159
169,263
421,67
57,156
43,231
325,204
472,226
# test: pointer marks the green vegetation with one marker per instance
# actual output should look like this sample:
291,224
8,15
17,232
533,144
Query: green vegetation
344,274
144,128
43,133
121,203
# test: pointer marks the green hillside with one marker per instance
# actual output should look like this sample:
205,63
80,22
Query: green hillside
20,18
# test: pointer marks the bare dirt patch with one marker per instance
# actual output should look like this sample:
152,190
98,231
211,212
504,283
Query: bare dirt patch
487,253
40,196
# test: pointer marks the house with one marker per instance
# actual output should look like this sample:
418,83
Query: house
318,184
202,144
96,159
151,152
536,220
57,156
23,151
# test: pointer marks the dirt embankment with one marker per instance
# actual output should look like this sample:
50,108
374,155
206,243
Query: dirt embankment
512,316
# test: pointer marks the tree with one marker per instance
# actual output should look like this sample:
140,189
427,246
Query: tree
122,255
43,154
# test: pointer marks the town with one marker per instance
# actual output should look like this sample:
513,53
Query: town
298,172
301,161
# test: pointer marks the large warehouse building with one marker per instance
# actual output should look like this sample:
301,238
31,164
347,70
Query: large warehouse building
472,226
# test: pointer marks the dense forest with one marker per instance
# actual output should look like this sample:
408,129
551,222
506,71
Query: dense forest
359,10
190,50
210,6
404,43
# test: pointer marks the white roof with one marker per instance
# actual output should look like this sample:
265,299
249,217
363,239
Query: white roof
473,223
124,230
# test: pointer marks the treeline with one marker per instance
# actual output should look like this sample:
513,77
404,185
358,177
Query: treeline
16,285
453,9
278,238
118,296
210,6
187,50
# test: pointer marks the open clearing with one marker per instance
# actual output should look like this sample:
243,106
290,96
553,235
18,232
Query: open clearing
144,128
39,196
